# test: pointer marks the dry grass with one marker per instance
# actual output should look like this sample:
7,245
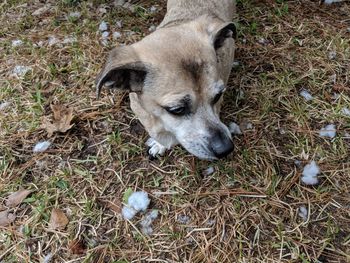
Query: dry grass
247,211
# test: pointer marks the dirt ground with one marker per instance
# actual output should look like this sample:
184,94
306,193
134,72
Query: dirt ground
247,210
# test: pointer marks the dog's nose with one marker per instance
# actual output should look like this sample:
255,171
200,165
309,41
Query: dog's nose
221,145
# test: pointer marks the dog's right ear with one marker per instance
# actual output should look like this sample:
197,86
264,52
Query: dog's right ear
123,70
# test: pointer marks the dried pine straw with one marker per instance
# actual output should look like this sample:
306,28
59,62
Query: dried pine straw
246,211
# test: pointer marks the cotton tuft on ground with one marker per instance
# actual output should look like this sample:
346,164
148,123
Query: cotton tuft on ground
251,207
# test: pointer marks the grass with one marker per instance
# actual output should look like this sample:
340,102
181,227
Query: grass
247,211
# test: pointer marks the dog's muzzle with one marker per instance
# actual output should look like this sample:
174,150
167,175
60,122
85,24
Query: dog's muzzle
221,145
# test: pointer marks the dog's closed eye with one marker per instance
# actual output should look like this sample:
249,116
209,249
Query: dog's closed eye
178,110
182,108
217,98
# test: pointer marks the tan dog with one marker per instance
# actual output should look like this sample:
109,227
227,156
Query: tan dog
177,75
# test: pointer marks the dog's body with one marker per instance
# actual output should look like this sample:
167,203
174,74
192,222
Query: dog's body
176,77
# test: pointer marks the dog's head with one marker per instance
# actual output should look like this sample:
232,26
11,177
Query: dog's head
176,77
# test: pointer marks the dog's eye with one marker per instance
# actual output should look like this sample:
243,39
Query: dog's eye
217,98
178,111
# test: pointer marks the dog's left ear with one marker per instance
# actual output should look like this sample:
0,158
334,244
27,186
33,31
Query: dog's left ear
225,31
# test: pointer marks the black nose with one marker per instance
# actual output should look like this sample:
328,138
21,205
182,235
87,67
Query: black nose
221,144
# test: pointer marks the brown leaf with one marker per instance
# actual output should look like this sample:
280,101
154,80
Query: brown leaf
17,198
62,117
6,218
58,219
115,205
340,88
77,247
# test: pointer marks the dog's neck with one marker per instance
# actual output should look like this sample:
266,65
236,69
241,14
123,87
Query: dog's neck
205,19
184,11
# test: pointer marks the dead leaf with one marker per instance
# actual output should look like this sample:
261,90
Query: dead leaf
6,218
340,88
17,198
62,117
115,205
58,219
77,247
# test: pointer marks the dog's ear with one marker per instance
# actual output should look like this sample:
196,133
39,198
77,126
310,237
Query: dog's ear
227,30
123,70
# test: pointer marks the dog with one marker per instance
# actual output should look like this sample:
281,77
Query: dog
177,76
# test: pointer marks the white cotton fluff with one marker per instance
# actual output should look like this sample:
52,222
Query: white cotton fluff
153,9
105,36
183,219
75,15
152,28
20,71
211,222
69,40
116,35
103,26
345,111
329,131
52,41
310,172
47,258
209,171
137,201
249,126
332,55
234,128
4,105
333,78
328,2
128,212
39,44
41,146
119,23
147,221
303,213
263,41
306,95
236,64
17,43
